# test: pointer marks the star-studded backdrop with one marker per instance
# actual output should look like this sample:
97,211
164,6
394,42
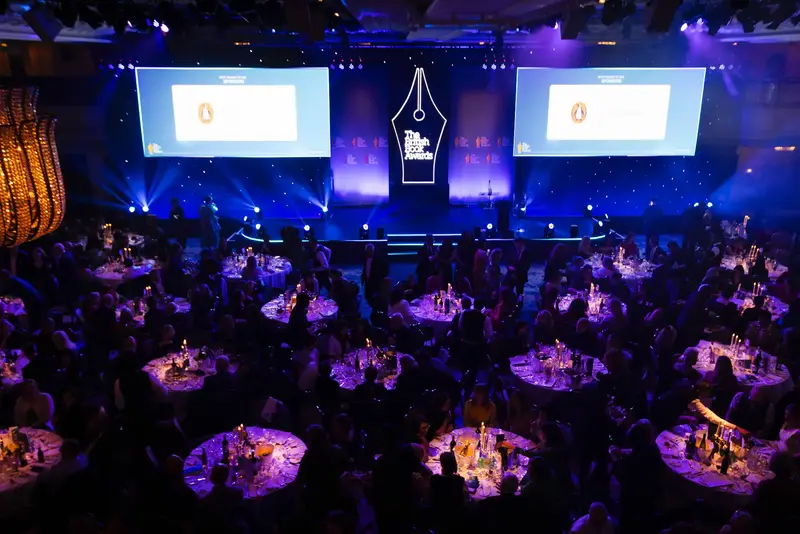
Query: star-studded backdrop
365,97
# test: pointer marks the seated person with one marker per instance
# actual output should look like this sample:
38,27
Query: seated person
400,306
480,408
309,283
607,269
724,309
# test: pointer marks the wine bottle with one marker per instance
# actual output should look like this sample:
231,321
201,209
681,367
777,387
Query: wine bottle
225,452
357,363
447,306
726,460
691,446
453,444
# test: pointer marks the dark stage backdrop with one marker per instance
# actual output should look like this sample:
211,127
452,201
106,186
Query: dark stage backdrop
481,130
360,130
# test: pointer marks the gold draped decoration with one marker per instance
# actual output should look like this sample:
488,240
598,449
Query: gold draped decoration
31,186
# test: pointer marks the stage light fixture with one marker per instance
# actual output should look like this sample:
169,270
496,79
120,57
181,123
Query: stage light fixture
587,211
110,66
130,66
333,67
489,226
164,28
363,232
306,228
244,219
120,66
494,66
550,231
684,27
156,24
341,66
258,226
484,66
503,66
351,67
709,204
146,208
257,209
324,209
551,226
308,232
360,66
696,204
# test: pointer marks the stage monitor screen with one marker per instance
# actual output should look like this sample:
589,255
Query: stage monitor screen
233,112
607,112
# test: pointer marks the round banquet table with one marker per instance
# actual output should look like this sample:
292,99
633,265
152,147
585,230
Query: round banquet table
545,379
426,313
775,269
321,309
775,306
777,382
16,488
271,477
179,386
114,273
388,367
11,372
274,269
732,490
14,306
632,270
596,306
487,482
181,306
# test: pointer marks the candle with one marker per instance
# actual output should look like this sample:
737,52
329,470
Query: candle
298,288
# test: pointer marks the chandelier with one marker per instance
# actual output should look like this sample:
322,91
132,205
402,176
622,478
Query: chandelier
31,186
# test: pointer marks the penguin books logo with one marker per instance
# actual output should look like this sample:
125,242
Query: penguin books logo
205,113
418,127
578,112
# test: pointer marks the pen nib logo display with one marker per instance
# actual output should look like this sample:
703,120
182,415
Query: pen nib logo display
418,127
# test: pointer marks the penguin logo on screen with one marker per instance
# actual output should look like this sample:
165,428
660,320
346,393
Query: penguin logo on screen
205,113
578,112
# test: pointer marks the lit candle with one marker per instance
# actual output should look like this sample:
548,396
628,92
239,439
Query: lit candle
298,288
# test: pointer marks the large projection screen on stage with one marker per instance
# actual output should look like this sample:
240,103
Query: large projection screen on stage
607,111
233,112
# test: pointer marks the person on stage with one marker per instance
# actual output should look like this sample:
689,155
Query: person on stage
321,256
209,224
177,217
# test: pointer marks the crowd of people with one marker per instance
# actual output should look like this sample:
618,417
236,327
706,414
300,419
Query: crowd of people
591,472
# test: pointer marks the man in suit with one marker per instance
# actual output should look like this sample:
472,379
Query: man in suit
224,380
426,261
224,505
374,270
520,264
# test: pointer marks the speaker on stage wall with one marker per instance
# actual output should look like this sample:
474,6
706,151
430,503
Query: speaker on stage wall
503,217
573,231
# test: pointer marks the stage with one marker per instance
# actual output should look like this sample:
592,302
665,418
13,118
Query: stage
403,232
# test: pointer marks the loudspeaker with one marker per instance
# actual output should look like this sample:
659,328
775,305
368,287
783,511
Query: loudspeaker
503,216
658,15
381,234
573,231
43,22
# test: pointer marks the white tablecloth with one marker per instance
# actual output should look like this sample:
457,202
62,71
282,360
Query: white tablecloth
115,273
14,306
775,306
775,269
348,378
631,270
732,490
282,471
487,482
777,383
182,382
16,488
545,379
596,306
11,372
321,309
274,269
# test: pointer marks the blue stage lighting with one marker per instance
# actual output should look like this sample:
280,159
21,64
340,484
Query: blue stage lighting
120,66
494,66
132,209
130,66
145,208
244,219
489,226
503,66
324,209
352,66
258,227
156,24
589,207
696,204
307,228
165,28
551,226
360,66
484,66
684,27
341,66
363,233
365,227
600,224
110,66
257,209
710,204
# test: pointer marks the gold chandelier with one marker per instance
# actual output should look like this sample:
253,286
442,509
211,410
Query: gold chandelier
31,186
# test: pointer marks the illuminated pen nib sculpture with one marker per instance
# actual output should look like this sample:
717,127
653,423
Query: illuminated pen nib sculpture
31,186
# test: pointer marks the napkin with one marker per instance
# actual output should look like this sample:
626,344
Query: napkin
711,479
